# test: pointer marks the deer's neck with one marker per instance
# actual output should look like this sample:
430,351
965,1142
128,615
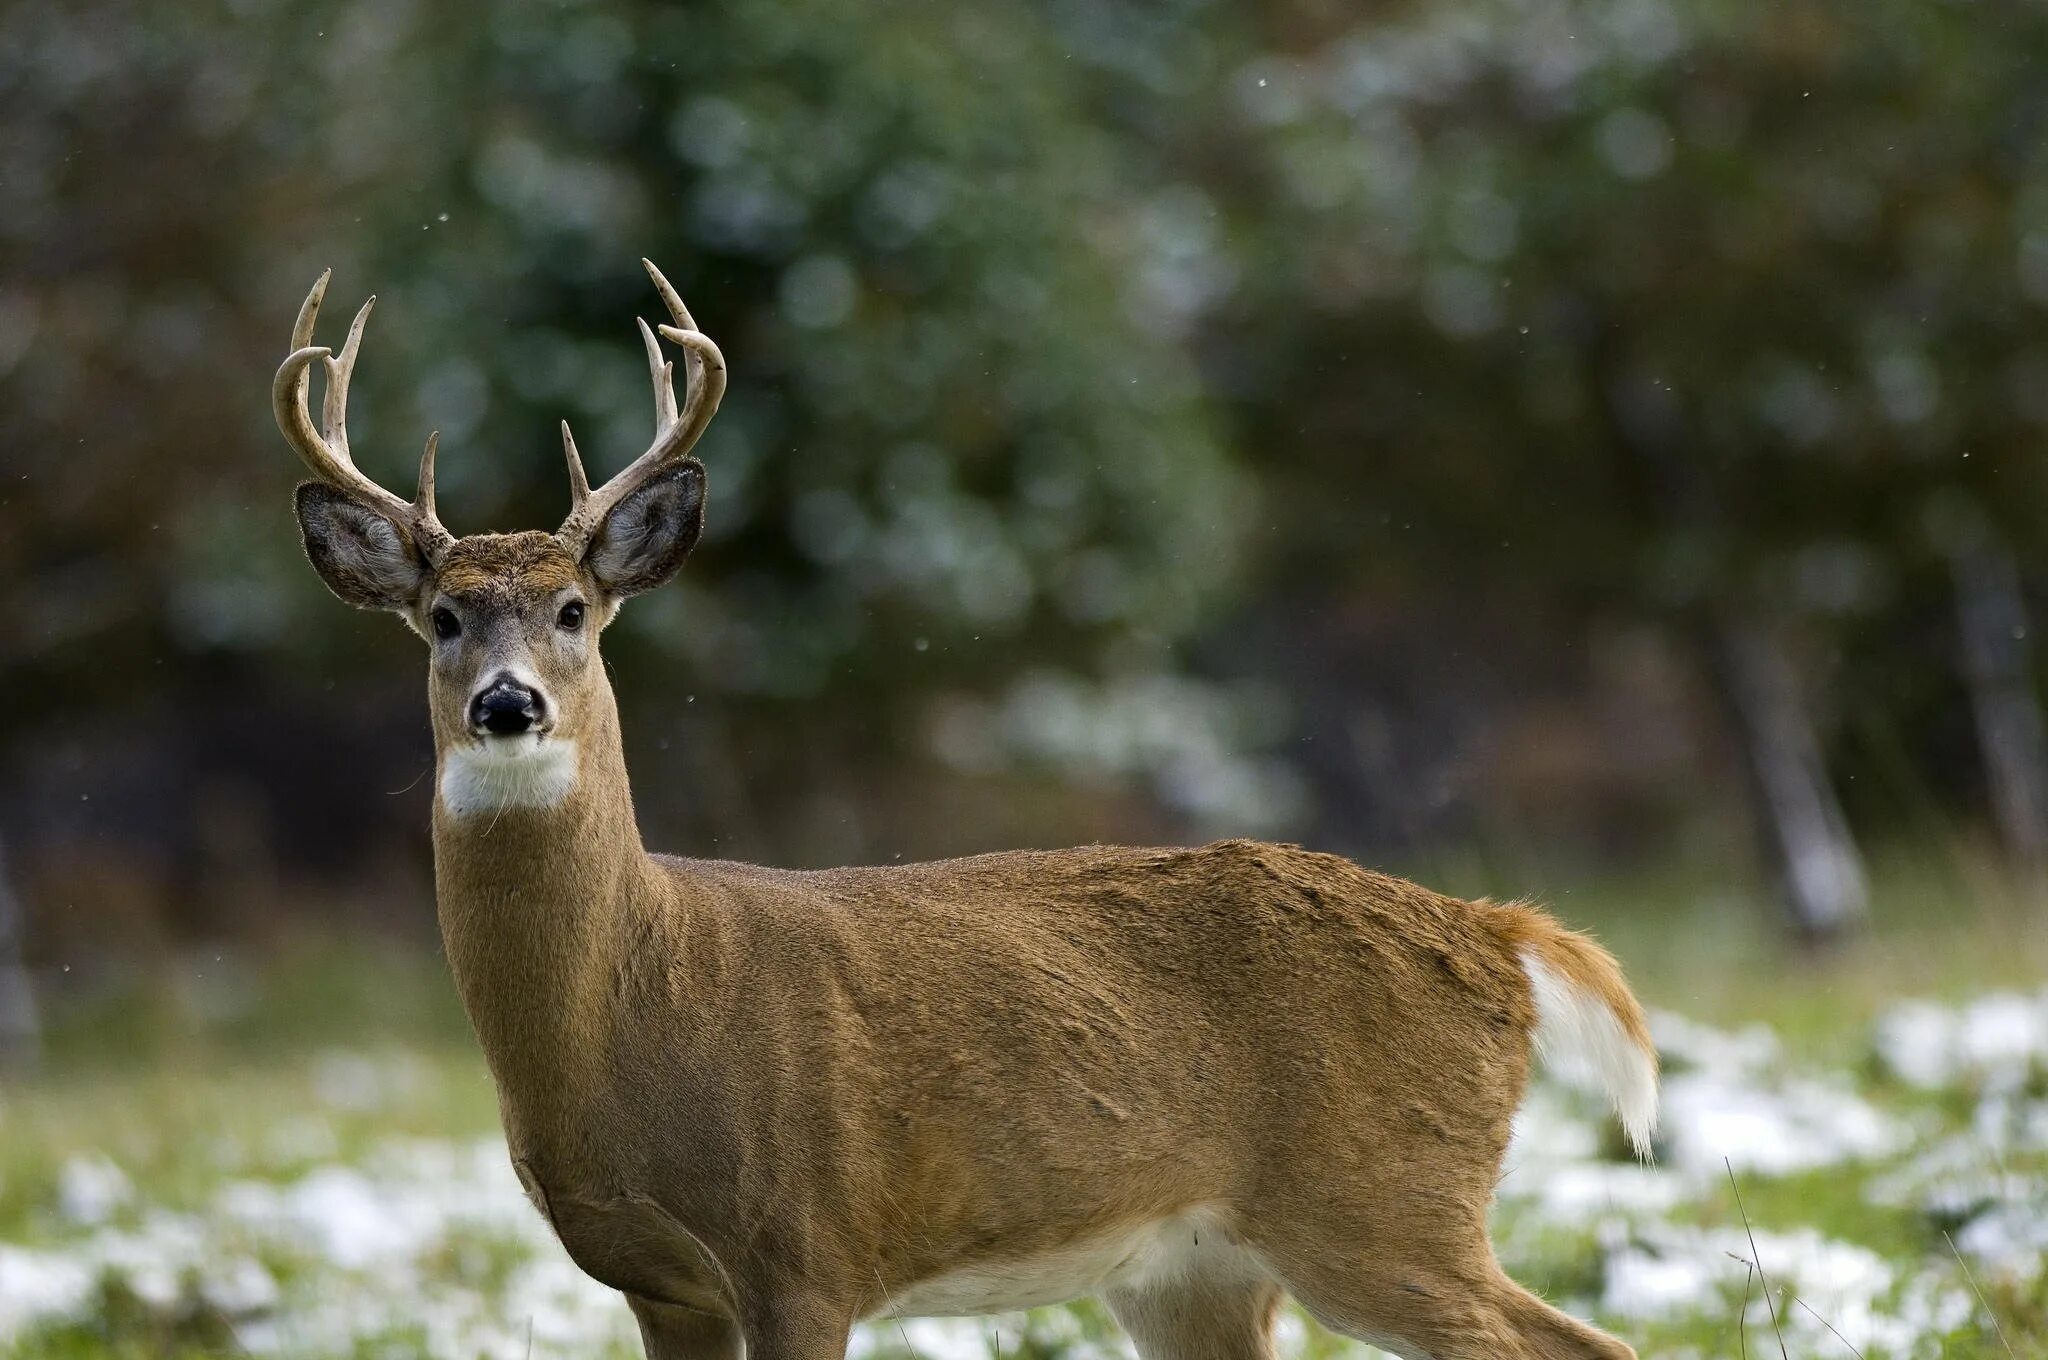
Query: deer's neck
538,902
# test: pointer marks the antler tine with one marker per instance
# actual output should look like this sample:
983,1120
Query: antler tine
707,385
309,311
669,296
423,499
675,433
663,374
693,367
579,483
325,452
340,367
288,403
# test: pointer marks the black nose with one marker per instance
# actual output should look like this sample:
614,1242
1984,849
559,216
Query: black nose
506,709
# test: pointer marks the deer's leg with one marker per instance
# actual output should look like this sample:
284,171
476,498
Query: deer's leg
671,1332
1547,1331
1197,1318
1443,1301
794,1327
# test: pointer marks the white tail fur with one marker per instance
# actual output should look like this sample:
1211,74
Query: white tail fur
1583,1040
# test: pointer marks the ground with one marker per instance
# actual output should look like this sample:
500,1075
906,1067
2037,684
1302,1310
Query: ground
301,1159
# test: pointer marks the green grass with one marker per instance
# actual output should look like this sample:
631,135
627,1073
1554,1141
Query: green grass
174,1090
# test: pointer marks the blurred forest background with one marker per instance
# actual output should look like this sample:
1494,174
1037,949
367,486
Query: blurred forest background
1524,441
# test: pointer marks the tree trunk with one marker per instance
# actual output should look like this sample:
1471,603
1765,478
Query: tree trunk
1822,872
1991,615
1798,814
20,1035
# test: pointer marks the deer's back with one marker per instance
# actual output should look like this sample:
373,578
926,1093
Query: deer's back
1121,941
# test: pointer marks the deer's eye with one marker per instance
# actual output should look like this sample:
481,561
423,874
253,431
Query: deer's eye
571,616
446,625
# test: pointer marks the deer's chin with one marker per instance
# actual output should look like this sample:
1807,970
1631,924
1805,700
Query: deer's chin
526,770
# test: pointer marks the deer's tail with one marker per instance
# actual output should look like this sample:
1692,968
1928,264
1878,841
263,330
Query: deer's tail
1590,1028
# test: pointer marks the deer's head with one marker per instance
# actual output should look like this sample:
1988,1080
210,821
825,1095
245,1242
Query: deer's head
511,620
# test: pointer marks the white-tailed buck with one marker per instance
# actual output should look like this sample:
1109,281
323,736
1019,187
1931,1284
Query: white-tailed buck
767,1104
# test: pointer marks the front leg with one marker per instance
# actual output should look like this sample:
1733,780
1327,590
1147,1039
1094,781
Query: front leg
669,1331
791,1325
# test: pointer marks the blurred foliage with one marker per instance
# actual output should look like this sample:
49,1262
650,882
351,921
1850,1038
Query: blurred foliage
1179,398
1639,307
943,421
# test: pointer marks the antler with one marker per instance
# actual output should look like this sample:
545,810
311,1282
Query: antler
674,434
325,451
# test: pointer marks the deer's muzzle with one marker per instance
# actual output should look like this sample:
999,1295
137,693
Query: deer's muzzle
506,708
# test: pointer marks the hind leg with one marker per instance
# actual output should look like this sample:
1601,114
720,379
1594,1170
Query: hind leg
1447,1300
1547,1331
1217,1314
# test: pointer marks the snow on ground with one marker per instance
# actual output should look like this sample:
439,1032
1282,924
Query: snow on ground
1839,1290
381,1247
431,1245
1729,1103
1997,1041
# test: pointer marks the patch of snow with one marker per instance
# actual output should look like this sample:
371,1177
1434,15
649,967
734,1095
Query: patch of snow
2009,1239
241,1286
1916,1041
1953,1177
1825,1291
91,1189
1595,1191
1726,1101
1996,1041
1793,1125
2010,1121
155,1257
1684,1044
375,1231
560,1301
1551,1130
38,1285
1648,1284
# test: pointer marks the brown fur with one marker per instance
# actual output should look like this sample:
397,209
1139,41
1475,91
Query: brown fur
507,569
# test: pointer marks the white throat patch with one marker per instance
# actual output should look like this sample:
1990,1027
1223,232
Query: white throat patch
508,772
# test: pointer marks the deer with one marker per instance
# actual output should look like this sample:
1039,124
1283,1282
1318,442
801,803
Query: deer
766,1105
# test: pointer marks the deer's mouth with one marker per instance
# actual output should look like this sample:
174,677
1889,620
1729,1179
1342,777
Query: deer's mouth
513,745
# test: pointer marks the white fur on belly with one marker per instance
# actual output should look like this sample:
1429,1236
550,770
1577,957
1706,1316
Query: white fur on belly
508,772
1193,1242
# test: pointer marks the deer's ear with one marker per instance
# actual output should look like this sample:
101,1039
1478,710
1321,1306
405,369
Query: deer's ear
368,560
645,538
